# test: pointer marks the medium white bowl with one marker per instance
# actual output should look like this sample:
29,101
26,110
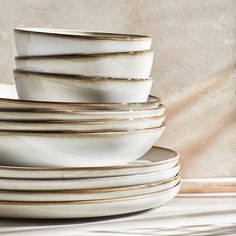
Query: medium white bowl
104,125
88,115
35,41
68,148
61,88
118,65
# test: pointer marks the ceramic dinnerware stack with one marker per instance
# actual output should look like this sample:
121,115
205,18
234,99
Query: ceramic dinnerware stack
76,140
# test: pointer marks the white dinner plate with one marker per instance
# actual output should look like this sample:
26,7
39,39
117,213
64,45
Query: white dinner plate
156,159
89,183
87,194
84,209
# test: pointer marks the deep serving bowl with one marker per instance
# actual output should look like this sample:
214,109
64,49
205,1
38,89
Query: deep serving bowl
88,115
71,148
9,101
118,65
67,88
35,41
105,125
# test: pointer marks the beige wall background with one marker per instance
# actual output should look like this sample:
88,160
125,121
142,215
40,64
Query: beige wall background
194,66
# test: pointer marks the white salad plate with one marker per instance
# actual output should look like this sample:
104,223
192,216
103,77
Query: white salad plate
156,159
89,183
67,88
90,208
36,41
87,194
100,125
87,115
127,65
74,148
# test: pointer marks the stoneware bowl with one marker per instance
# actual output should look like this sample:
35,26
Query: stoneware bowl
9,101
35,41
62,88
88,115
118,65
71,148
105,125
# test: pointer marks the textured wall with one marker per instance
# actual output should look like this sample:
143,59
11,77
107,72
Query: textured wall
194,67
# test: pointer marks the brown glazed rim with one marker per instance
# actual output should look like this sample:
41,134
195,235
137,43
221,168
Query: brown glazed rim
91,191
91,122
43,133
69,112
89,201
91,35
80,55
155,100
129,166
73,77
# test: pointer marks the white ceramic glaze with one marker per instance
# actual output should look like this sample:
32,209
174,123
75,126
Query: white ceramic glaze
126,65
156,159
82,209
89,183
78,149
62,88
104,125
57,41
80,115
9,100
89,194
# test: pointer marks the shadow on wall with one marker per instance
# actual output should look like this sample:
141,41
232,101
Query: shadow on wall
201,143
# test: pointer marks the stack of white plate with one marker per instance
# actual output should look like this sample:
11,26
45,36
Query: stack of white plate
76,140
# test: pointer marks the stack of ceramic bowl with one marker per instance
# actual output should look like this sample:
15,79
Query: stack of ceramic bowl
78,140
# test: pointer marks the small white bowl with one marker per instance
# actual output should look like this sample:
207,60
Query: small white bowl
67,88
117,65
35,41
104,125
71,148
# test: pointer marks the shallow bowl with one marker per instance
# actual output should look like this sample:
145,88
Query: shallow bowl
9,101
62,88
36,41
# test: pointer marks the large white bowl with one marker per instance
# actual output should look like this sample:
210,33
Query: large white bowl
118,65
67,88
35,41
88,115
104,125
68,148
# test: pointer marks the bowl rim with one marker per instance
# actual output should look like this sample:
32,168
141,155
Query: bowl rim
85,56
177,186
56,133
95,190
92,35
153,99
128,166
57,111
73,77
99,121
